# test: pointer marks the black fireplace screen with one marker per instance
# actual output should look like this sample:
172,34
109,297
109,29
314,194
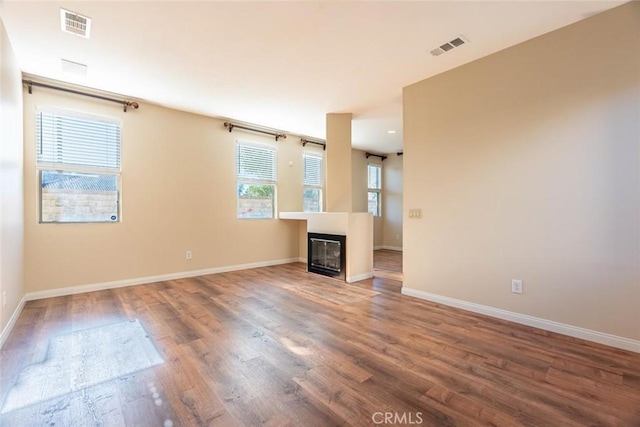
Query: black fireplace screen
326,254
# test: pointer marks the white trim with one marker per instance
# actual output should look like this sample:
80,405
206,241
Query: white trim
71,290
375,248
302,260
12,321
358,277
536,322
392,248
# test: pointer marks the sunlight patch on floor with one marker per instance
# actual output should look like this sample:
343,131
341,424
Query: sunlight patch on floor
82,359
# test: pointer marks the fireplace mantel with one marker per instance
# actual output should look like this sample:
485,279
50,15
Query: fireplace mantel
357,226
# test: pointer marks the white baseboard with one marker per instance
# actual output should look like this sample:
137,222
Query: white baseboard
150,279
302,260
536,322
358,277
377,248
392,248
12,321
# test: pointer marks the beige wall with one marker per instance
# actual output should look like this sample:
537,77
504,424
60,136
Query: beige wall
338,163
11,186
526,165
178,194
392,201
359,247
359,180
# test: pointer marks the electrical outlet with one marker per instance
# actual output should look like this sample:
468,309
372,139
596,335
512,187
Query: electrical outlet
516,286
4,299
188,255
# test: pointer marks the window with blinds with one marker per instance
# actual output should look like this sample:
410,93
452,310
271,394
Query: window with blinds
256,174
312,183
374,179
72,140
78,159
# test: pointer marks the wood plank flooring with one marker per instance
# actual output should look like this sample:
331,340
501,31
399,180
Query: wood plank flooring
267,347
387,264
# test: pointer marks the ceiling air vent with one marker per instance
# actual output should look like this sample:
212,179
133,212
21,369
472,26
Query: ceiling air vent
457,42
74,23
74,67
447,47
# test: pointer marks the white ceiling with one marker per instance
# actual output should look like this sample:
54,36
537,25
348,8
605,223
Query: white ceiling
278,64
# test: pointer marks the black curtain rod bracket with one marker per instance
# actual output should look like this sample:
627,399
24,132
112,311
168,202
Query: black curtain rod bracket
307,141
125,104
399,153
277,136
383,158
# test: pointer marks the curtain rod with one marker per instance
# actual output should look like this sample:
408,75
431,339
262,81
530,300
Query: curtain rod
125,104
399,153
375,155
307,141
231,126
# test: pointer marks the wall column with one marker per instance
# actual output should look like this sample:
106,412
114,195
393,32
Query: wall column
338,161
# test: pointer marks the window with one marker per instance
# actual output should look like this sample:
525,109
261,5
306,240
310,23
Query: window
256,181
312,191
374,178
78,160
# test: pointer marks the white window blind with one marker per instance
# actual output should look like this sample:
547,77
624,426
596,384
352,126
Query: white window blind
256,163
374,180
312,170
312,180
70,139
374,176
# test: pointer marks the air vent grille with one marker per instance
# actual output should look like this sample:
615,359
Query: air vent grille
72,67
74,23
446,47
457,42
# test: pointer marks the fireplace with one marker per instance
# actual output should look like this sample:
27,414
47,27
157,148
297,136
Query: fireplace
326,254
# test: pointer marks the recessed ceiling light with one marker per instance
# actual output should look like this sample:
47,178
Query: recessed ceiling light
71,22
391,131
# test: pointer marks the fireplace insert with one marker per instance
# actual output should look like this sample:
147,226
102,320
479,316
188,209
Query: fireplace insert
326,254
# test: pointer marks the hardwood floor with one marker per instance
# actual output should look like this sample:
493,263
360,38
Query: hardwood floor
387,264
278,346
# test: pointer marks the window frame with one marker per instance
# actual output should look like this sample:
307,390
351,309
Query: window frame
307,187
71,168
257,182
375,190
